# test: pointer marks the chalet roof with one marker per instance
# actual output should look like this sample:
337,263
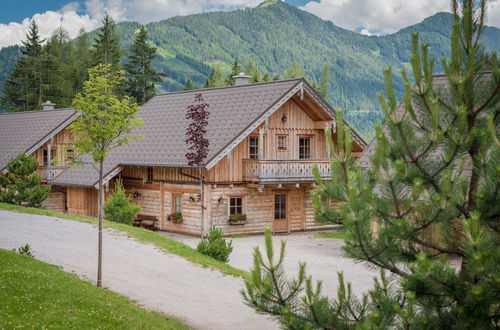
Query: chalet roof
29,130
235,112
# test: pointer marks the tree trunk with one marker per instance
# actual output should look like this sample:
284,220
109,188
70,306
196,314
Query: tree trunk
101,217
202,197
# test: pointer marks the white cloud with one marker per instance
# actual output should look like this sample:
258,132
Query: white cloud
70,17
386,16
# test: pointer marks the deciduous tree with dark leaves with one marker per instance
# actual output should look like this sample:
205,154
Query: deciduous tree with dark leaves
198,143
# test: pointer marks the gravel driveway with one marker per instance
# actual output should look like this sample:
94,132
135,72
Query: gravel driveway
323,256
204,299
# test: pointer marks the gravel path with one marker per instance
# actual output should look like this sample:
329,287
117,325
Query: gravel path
202,298
323,256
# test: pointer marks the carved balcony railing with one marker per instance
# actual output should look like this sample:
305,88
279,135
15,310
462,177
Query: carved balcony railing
283,171
49,173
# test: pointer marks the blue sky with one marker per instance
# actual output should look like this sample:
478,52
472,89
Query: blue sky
364,16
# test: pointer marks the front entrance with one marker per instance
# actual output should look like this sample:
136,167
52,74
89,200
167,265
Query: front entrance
281,223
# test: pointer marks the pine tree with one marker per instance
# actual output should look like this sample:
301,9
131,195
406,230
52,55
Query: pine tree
252,71
141,76
430,198
189,86
295,71
216,77
23,89
106,48
235,70
80,61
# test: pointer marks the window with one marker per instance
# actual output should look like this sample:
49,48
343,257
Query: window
236,205
281,142
177,203
305,148
46,161
149,175
280,206
253,150
70,155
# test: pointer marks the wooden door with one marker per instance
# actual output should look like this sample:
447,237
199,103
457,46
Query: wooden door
281,222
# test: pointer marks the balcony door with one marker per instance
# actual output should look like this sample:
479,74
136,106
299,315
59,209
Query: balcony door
281,223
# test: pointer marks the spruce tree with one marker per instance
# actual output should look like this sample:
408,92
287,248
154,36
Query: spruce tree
80,61
23,89
106,48
427,210
216,77
141,76
235,70
324,82
189,86
252,71
295,71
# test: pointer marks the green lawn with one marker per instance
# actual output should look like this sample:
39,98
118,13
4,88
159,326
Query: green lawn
324,234
167,244
35,295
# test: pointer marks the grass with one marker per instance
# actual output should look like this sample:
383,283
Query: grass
166,244
240,236
35,295
324,234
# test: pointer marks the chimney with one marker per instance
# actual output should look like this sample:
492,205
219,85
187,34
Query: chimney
241,79
48,106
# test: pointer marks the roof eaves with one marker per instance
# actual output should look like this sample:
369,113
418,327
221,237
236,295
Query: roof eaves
255,124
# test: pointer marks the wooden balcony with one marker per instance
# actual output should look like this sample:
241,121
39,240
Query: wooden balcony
50,172
284,171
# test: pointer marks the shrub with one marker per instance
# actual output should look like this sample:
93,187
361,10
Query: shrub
21,185
215,246
119,207
25,251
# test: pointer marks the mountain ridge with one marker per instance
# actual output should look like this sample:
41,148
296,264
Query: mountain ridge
275,35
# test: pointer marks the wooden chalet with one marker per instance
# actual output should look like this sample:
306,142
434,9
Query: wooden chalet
263,140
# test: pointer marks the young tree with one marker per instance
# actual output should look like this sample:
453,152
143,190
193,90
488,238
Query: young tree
141,76
235,70
267,77
198,144
216,77
430,198
23,89
106,48
21,185
189,86
295,71
252,71
103,122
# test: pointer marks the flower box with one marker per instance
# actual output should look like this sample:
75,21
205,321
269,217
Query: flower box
237,219
175,217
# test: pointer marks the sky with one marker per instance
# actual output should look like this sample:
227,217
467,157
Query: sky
370,17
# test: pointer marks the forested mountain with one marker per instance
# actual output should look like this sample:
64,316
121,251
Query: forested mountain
276,35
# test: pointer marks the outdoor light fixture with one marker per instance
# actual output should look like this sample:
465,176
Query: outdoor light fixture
191,199
284,118
220,200
137,194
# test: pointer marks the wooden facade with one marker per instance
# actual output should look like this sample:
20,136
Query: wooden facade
267,177
55,155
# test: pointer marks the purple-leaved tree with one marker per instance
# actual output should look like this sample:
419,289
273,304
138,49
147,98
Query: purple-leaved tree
198,143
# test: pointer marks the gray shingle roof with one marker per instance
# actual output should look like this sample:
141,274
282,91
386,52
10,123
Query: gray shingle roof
27,131
232,111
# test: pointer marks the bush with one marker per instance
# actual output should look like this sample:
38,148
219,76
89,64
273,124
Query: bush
21,185
215,246
119,207
25,251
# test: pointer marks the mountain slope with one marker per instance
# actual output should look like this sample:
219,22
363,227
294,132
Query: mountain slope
275,35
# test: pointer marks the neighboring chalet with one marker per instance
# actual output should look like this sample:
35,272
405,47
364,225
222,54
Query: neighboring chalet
42,134
263,140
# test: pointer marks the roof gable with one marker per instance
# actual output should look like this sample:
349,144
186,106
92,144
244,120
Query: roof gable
28,131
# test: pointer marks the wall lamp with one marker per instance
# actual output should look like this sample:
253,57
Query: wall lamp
137,194
220,200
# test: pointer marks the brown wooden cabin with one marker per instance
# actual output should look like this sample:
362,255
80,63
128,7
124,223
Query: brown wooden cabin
263,140
44,135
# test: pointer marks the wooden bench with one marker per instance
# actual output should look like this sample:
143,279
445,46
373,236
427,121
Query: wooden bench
145,221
